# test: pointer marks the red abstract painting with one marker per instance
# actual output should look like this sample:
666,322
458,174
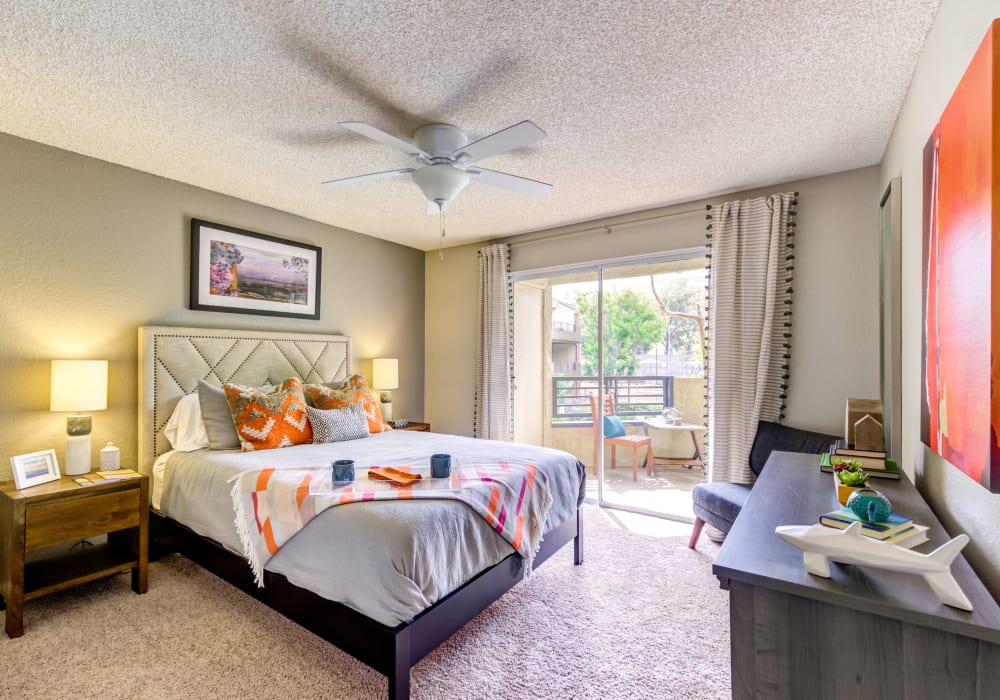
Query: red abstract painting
960,411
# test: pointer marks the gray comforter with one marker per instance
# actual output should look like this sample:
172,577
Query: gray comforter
391,559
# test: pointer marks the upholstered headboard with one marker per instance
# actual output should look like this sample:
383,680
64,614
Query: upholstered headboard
173,359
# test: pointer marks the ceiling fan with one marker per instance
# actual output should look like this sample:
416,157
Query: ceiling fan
445,154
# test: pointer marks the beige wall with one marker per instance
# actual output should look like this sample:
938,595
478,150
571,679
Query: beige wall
963,505
835,343
451,289
92,250
529,361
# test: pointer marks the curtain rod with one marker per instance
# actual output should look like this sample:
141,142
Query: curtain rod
608,227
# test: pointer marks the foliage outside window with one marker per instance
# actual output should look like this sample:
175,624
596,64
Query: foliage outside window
633,325
653,329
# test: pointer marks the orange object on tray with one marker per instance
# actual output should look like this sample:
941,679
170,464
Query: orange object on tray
396,476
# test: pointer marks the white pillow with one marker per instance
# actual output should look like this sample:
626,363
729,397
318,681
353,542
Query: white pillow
186,429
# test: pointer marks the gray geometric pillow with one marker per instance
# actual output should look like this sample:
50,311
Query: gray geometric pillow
338,424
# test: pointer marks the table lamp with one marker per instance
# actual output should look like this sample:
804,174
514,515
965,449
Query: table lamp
385,376
78,385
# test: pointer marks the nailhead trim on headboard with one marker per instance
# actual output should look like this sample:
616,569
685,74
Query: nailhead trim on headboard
173,359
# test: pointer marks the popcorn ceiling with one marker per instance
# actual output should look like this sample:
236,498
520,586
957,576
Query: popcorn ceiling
645,102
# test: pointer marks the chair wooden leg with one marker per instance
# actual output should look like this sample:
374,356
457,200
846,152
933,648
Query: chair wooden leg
635,462
614,456
596,443
696,532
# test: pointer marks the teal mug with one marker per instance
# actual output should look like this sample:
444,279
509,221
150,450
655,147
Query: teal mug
440,466
343,472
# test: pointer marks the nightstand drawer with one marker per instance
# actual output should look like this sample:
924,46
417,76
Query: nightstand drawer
47,524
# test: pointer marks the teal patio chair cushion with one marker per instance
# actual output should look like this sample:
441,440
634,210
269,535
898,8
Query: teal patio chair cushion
613,427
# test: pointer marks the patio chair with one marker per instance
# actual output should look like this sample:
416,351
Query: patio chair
614,435
718,503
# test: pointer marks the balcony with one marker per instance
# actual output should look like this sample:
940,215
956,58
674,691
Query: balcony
635,397
566,332
571,430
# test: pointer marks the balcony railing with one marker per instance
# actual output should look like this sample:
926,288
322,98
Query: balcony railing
566,332
635,397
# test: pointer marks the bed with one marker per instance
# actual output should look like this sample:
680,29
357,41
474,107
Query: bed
386,581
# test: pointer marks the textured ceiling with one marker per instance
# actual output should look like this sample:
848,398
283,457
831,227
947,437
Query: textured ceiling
645,102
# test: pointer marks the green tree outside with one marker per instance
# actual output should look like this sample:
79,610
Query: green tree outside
633,324
682,294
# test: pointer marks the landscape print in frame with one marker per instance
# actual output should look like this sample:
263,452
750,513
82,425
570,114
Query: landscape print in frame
243,272
960,407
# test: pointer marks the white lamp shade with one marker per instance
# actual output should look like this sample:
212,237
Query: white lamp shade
79,385
385,374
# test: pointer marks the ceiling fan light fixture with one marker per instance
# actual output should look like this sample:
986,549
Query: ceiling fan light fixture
444,151
440,182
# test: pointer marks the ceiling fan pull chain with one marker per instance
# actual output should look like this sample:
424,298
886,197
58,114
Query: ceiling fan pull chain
441,240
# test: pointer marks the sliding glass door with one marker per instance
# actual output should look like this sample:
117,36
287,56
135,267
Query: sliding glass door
628,336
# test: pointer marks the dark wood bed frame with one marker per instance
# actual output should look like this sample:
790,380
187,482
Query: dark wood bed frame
392,651
171,361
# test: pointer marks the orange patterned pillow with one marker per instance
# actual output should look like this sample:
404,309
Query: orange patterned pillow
353,390
269,419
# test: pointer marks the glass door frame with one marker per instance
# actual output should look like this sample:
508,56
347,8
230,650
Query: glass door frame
599,267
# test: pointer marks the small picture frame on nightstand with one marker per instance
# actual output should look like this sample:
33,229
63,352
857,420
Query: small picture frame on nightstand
34,468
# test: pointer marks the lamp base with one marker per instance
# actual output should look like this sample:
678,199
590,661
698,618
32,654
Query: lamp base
385,397
77,455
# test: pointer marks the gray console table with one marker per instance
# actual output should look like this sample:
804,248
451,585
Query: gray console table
864,632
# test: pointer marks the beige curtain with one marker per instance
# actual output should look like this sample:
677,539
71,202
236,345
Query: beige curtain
750,321
494,415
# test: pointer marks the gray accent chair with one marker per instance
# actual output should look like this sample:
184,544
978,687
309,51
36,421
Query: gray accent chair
719,503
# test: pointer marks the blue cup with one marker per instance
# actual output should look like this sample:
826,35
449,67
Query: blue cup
440,466
343,472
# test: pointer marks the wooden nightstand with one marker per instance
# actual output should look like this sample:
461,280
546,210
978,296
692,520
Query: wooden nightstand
417,426
63,511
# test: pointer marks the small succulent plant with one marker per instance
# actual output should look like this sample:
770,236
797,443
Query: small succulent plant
849,472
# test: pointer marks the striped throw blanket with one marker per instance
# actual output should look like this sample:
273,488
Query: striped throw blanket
272,505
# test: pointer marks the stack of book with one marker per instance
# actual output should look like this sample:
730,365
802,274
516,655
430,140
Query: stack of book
877,464
898,529
869,459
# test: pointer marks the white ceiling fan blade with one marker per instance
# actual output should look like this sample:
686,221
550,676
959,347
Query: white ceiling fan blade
522,134
382,137
514,183
370,176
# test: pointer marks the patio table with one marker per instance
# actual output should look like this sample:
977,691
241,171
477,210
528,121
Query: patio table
691,428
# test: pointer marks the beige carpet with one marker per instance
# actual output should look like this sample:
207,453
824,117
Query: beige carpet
642,618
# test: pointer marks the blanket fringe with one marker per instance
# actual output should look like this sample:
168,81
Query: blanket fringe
536,533
245,528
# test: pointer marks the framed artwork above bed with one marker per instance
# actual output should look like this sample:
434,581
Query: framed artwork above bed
243,272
